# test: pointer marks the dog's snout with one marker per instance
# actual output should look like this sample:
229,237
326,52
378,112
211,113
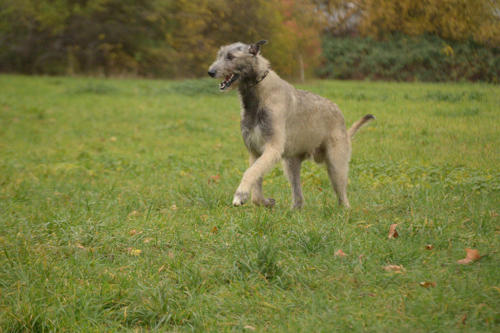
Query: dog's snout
211,73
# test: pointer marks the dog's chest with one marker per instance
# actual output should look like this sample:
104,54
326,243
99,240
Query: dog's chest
256,129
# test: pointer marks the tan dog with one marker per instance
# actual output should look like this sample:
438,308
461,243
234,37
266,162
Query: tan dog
281,122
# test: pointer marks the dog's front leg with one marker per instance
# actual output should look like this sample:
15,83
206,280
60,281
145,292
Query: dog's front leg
256,191
255,172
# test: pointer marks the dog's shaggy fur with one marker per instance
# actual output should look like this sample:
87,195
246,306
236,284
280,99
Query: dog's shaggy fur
281,122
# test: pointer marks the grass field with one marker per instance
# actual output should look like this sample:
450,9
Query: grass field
115,212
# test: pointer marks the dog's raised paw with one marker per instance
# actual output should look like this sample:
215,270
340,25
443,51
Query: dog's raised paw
240,198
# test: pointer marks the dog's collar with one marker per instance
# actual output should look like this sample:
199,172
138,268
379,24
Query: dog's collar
262,78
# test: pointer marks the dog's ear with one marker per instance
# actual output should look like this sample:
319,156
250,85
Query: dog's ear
255,48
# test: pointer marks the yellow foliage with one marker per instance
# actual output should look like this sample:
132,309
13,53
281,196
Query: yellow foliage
292,29
450,19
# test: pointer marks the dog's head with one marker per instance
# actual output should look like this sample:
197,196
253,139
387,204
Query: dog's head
237,61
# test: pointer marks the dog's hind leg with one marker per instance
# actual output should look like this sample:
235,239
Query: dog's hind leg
256,191
338,153
292,171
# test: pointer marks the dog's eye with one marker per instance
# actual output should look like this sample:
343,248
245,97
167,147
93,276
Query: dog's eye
229,56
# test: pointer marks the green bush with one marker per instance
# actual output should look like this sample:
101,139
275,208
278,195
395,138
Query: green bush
404,58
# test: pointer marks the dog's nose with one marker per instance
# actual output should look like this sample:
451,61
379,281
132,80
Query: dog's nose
211,73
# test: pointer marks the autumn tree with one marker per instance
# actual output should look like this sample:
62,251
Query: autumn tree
450,19
150,37
302,22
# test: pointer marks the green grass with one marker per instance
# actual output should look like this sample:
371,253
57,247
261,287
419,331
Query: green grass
112,217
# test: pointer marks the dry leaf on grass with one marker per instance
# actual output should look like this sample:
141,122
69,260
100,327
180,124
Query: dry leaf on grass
340,253
249,327
215,229
472,255
134,232
134,252
427,284
464,318
394,268
133,214
429,247
214,179
393,233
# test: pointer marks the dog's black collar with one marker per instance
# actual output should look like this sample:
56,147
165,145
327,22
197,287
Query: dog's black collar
262,78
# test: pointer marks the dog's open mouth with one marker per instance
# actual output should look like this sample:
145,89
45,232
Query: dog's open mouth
228,81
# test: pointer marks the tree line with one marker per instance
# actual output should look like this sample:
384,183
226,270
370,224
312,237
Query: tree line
179,38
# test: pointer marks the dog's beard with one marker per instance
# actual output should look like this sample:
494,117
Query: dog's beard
228,81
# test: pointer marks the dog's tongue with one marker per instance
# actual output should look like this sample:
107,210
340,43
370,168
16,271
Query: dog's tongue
226,81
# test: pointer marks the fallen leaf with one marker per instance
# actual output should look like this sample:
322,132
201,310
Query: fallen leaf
472,255
184,173
147,240
392,231
269,305
134,252
80,246
427,284
161,268
340,253
429,247
133,213
394,268
215,229
214,179
112,139
173,207
134,232
464,318
248,327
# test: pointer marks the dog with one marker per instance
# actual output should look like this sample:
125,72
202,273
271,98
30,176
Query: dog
279,122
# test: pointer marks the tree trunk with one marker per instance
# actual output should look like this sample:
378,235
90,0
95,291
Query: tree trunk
301,64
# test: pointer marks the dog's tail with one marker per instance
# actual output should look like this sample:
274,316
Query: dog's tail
357,125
